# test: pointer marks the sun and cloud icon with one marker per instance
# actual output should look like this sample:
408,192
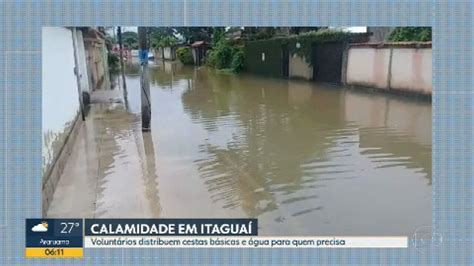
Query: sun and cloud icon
41,227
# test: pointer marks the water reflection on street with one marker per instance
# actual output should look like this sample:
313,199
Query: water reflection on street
303,158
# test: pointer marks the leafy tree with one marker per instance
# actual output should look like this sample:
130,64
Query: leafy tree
189,34
157,34
259,33
218,34
299,30
168,41
130,43
130,34
130,39
263,33
192,34
160,32
406,34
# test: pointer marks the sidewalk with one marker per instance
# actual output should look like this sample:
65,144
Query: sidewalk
111,171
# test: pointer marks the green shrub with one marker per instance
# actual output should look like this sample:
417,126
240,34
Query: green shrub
224,55
238,60
113,61
406,34
211,58
185,55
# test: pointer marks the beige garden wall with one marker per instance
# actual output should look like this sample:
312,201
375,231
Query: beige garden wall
403,66
412,70
368,67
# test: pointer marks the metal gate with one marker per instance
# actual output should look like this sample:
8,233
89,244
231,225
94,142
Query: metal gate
326,59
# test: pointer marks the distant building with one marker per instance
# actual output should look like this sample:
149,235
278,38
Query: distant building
199,50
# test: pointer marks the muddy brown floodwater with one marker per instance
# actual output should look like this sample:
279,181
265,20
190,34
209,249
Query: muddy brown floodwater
304,158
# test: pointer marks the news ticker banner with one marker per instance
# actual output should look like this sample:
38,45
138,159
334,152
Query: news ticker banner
67,238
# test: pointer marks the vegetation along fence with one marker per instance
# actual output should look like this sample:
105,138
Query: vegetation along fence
313,56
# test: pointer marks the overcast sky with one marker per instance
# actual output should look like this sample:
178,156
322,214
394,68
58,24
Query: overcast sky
124,29
356,29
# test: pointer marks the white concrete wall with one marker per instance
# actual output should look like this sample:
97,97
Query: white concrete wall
368,67
60,99
299,68
195,59
157,53
170,53
410,68
82,61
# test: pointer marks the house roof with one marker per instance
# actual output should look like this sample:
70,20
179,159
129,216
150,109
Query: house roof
198,43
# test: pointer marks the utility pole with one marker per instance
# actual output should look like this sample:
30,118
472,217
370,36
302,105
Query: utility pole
122,68
119,34
144,78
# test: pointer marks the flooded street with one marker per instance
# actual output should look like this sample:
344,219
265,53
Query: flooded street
303,158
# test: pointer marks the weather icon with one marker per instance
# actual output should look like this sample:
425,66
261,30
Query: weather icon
41,227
